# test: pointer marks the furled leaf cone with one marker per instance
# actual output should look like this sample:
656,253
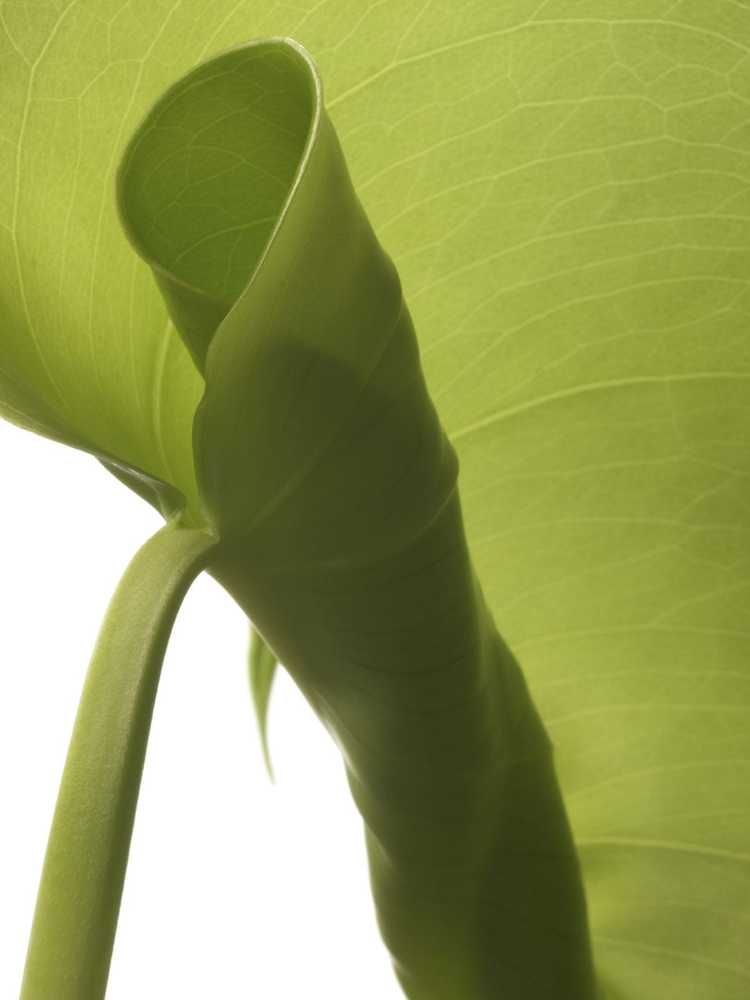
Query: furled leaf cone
325,474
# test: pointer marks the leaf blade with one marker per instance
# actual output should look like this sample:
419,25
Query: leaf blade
326,473
262,666
458,190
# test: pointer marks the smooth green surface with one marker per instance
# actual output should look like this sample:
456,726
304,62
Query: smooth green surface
84,868
262,666
563,188
324,470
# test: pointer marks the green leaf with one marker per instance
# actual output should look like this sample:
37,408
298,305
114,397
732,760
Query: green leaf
325,472
84,869
562,187
262,666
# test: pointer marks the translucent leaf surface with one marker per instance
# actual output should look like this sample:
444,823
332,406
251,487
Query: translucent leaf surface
324,470
564,189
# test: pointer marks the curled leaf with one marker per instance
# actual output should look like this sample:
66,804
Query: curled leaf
324,470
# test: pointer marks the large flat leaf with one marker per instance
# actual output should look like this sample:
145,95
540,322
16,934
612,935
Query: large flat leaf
563,187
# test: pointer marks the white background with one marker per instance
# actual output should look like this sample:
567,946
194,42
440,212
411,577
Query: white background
236,888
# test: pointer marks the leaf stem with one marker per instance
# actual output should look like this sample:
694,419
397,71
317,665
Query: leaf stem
79,895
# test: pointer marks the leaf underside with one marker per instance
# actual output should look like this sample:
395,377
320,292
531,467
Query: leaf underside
564,189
